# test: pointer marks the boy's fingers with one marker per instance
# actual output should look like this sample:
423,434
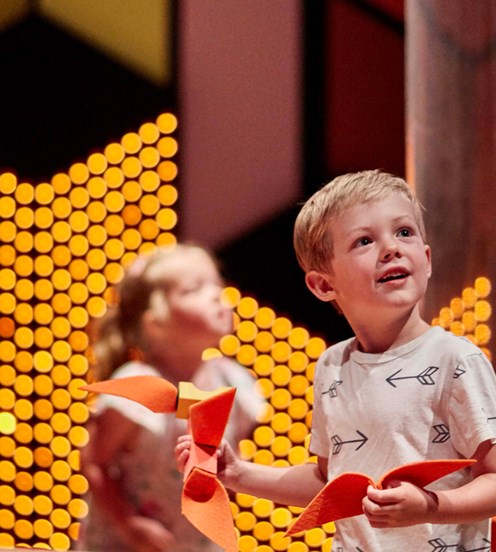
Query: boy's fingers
382,496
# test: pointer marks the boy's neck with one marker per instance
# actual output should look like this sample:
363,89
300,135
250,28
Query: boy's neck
388,334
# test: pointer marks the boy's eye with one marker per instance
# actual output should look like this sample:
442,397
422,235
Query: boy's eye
405,232
362,241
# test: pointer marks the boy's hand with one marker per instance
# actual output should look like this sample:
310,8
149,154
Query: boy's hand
226,459
226,463
400,505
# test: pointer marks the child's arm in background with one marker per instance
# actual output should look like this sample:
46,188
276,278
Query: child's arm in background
110,433
292,486
406,504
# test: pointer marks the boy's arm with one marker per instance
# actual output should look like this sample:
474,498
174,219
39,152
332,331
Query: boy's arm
292,486
475,500
405,504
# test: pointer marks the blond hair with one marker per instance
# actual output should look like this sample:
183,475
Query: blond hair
312,238
118,335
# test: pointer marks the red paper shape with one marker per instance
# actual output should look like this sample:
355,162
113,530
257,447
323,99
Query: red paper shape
154,392
342,497
208,418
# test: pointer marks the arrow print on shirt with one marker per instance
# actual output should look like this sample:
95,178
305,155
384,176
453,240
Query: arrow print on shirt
438,545
333,389
424,378
338,442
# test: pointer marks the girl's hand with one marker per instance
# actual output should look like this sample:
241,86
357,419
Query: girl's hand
400,505
181,451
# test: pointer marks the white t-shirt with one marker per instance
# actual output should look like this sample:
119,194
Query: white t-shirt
432,398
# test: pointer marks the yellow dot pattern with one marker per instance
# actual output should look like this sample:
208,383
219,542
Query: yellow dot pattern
283,358
63,244
469,314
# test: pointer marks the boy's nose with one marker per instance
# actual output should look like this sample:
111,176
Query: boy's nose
390,250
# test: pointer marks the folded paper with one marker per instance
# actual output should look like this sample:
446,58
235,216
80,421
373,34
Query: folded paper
204,501
342,496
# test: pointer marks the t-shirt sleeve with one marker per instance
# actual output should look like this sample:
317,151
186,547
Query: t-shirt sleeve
472,404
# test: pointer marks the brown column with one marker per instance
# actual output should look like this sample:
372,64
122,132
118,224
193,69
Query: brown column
451,138
239,65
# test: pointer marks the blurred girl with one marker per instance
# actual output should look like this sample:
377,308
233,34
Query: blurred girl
169,311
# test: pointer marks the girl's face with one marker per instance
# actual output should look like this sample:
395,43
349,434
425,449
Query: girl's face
195,309
380,260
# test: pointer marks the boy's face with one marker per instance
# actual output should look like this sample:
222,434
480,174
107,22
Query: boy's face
380,261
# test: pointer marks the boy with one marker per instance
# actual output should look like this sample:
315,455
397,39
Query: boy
402,391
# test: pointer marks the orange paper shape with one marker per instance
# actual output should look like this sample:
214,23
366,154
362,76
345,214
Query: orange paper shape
201,456
207,421
342,497
154,392
205,503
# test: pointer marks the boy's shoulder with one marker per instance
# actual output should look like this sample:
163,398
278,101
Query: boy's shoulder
338,352
452,344
441,345
436,342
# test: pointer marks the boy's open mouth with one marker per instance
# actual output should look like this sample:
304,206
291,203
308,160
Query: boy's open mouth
393,276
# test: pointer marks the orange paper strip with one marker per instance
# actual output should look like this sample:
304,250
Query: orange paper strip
342,497
157,394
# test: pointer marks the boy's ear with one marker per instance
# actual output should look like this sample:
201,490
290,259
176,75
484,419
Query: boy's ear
428,254
320,285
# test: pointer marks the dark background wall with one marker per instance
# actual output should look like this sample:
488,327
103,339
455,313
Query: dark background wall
60,100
